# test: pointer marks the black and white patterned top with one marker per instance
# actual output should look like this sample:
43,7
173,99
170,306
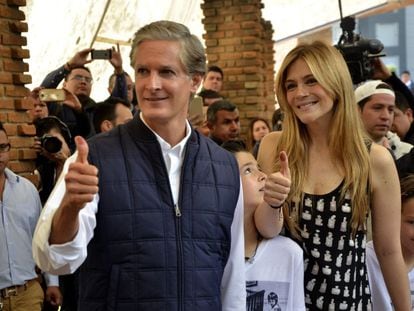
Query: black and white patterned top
336,277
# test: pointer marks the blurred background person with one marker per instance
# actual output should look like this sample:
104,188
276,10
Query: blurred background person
258,128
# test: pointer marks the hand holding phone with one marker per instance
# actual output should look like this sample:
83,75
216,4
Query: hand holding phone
101,54
52,95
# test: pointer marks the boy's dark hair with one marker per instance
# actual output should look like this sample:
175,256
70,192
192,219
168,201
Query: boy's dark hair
217,106
216,69
106,111
407,188
234,146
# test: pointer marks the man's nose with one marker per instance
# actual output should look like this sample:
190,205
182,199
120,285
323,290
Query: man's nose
154,82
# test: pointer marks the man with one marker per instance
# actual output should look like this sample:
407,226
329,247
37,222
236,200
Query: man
403,124
406,78
78,81
159,226
117,88
223,121
213,79
111,113
39,109
376,101
20,208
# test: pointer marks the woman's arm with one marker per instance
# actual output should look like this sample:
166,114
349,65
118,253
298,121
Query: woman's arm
386,222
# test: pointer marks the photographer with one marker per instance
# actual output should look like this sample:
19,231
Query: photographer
52,145
78,80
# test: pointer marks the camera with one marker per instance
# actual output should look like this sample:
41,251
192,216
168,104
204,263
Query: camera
357,51
50,143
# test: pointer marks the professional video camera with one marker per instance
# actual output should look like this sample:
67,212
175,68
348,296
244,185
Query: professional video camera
357,51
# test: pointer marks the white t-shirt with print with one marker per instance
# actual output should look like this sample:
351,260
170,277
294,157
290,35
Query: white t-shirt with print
276,271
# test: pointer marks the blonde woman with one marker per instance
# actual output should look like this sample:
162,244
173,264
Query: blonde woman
337,177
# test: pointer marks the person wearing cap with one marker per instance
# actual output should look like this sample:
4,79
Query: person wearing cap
376,101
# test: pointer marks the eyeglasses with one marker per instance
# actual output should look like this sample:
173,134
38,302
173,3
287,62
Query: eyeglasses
82,78
4,147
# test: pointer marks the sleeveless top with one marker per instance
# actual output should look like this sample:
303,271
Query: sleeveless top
335,276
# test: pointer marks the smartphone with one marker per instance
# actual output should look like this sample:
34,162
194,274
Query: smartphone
101,54
196,107
52,95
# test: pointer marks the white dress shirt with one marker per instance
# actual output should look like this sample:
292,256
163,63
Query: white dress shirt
66,258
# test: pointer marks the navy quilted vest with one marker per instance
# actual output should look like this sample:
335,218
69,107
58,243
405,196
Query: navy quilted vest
143,255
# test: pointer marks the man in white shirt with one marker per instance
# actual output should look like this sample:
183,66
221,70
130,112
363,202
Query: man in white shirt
164,230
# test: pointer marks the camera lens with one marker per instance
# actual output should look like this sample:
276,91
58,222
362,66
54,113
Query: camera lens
51,144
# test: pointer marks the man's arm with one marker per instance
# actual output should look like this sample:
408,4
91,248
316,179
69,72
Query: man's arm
53,79
120,86
62,234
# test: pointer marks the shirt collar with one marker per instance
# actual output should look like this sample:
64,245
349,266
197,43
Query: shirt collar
165,146
11,177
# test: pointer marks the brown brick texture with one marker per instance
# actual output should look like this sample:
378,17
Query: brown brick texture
240,41
13,77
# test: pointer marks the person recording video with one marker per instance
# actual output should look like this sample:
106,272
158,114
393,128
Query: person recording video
52,146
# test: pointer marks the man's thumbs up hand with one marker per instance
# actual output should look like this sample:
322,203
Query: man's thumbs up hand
277,185
81,179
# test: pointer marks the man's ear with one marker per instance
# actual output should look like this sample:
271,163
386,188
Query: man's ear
196,80
409,113
210,125
106,126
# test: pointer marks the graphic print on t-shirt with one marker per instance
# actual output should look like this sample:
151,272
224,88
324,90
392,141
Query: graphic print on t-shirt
266,295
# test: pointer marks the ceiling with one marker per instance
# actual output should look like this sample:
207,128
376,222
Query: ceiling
57,29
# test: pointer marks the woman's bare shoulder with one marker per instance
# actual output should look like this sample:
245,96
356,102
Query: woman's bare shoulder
380,157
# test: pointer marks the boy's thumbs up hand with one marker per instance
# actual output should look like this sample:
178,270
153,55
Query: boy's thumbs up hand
277,185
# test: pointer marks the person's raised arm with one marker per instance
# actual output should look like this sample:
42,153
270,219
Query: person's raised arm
386,221
53,78
269,215
81,187
120,88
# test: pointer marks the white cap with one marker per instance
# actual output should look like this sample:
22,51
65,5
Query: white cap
370,88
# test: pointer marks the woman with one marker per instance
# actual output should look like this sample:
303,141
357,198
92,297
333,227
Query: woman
258,128
337,177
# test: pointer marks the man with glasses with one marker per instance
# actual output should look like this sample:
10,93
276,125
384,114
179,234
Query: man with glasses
20,209
78,81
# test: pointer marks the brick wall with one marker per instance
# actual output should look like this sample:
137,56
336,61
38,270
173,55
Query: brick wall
240,42
13,77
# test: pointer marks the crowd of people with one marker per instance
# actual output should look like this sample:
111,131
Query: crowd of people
142,206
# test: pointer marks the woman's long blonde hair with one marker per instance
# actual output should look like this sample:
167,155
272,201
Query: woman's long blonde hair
347,137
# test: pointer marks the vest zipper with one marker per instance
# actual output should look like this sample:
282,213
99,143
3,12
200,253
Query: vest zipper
177,210
180,259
